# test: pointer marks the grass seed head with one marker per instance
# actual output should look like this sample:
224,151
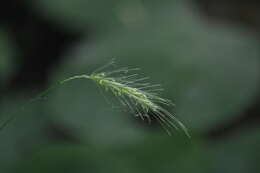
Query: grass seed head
140,97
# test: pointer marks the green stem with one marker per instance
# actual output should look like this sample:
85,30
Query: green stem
11,117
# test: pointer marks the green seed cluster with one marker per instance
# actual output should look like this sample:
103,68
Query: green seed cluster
140,97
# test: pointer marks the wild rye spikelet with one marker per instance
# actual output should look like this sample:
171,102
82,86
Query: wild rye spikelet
140,97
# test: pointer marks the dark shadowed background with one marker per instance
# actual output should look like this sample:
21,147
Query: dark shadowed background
205,53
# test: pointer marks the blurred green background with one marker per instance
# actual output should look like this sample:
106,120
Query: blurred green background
205,54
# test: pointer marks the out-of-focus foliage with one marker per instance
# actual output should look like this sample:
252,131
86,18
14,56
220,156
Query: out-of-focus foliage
100,15
211,73
240,151
143,157
6,54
